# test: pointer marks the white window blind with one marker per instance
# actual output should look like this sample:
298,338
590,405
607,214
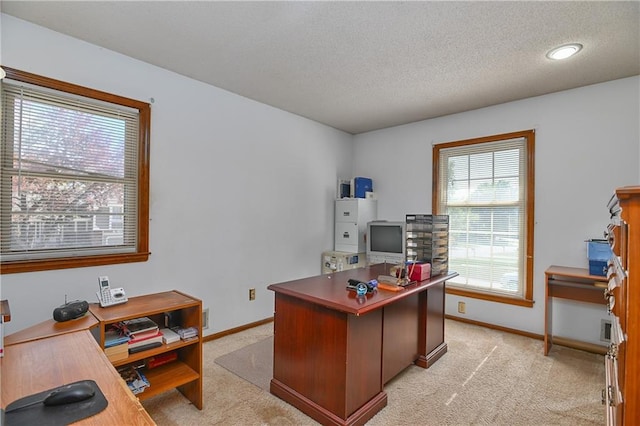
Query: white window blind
69,175
482,187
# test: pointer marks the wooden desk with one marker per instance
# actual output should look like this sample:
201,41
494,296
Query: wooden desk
37,365
50,328
334,351
573,284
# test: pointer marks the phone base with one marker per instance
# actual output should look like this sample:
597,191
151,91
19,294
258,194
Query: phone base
113,301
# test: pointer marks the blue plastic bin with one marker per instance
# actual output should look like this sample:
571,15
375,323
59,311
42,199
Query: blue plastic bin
599,253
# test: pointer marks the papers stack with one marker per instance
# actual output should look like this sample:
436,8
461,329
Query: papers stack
187,333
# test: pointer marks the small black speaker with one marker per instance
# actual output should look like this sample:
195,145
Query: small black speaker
71,310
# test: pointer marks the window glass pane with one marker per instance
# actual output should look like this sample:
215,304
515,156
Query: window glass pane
459,191
507,189
55,213
486,253
60,140
481,166
481,191
507,163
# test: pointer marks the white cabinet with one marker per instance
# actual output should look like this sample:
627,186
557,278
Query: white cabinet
351,218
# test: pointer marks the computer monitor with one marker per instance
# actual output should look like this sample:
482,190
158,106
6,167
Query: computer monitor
386,242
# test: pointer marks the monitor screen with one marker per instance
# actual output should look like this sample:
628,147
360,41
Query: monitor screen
386,242
386,238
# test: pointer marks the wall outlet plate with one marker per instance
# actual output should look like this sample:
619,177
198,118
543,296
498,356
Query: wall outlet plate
605,330
205,318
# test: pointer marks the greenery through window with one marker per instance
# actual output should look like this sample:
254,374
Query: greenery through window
485,185
74,185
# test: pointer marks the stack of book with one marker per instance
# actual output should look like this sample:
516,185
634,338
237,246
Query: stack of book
115,345
143,334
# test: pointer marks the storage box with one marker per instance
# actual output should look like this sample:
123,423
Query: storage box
599,253
598,250
361,186
419,272
598,267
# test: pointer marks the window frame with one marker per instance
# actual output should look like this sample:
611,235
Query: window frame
527,299
141,253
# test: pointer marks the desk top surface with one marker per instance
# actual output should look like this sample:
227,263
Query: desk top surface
38,365
50,328
568,271
330,290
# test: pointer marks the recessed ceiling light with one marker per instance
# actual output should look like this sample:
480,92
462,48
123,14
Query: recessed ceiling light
565,51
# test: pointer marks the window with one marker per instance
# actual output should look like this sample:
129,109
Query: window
74,189
486,186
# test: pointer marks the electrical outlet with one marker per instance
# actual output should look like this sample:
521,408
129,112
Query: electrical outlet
462,308
205,318
605,330
252,294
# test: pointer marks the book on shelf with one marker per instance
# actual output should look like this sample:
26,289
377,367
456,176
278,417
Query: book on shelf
169,336
144,347
144,334
161,359
135,379
134,343
113,337
117,352
138,325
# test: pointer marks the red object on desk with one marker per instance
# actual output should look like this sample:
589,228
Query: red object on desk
419,271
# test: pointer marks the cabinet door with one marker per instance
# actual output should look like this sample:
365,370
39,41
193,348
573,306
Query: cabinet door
347,238
347,211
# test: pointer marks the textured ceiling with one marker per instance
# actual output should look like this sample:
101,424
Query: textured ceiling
361,66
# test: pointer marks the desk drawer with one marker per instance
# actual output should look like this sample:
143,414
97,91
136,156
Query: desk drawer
347,211
347,238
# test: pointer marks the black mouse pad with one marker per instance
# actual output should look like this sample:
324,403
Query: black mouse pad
39,414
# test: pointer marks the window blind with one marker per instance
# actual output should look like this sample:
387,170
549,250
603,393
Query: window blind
69,174
482,188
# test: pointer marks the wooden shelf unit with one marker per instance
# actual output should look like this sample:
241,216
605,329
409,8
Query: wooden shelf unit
185,373
622,392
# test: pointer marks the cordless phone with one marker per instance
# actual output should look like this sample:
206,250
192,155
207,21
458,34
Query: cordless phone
108,296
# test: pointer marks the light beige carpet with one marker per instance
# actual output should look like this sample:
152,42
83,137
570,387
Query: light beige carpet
487,377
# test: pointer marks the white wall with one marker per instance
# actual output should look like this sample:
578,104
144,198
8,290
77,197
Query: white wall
241,193
264,182
578,134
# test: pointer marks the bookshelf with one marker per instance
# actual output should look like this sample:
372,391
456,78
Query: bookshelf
621,394
185,373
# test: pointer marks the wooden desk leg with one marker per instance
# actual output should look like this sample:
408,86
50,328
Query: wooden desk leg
548,315
431,344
